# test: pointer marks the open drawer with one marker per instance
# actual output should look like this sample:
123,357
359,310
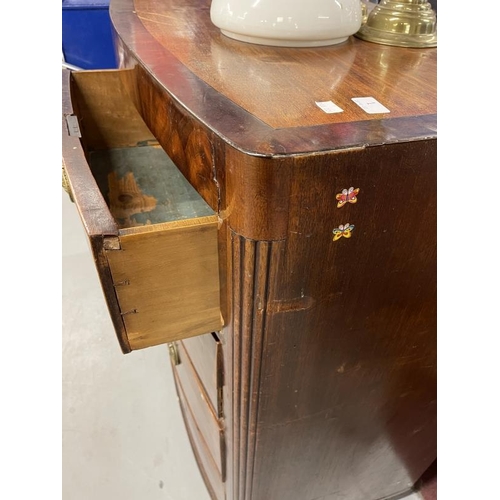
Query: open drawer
153,238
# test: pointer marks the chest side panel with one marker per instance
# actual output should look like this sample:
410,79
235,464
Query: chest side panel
347,397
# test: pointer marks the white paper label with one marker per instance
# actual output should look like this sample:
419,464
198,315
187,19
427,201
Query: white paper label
73,127
329,107
370,105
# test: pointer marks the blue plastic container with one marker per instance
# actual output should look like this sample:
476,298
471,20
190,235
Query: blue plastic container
87,40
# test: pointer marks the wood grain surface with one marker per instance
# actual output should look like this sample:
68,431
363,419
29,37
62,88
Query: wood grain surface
105,104
169,281
280,86
208,77
348,356
332,344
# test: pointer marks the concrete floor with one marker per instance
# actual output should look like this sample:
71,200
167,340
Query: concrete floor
123,434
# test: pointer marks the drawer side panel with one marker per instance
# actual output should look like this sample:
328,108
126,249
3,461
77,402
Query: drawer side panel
203,353
167,281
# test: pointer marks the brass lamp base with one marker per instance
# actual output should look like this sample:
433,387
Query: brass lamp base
403,23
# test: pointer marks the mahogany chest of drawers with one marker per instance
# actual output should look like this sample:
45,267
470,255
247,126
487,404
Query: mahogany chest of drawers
286,254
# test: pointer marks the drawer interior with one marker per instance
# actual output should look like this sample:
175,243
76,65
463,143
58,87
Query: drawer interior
138,181
153,236
141,186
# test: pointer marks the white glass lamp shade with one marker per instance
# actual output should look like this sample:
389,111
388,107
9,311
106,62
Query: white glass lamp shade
289,23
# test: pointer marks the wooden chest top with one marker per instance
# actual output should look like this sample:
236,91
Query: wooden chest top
262,99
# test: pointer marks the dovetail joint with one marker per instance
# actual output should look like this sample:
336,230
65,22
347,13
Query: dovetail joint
121,283
132,311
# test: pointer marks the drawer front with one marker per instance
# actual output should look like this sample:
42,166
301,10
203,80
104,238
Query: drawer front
205,354
206,462
153,237
208,424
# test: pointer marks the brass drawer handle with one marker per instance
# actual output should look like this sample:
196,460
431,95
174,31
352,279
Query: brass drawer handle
65,184
174,354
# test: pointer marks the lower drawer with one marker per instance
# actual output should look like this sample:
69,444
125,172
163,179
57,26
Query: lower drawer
205,354
153,237
206,463
208,424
